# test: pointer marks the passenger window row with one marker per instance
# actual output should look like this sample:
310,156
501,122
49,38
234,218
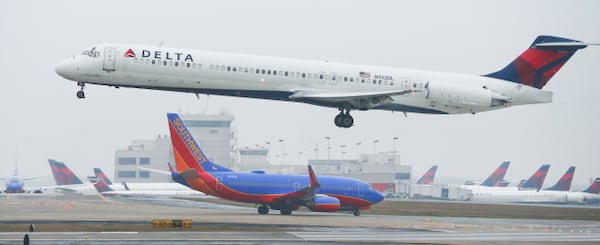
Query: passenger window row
320,76
181,64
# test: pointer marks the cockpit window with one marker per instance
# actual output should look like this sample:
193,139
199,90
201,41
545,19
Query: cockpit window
91,53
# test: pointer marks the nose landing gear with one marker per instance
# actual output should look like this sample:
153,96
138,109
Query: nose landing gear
80,93
344,120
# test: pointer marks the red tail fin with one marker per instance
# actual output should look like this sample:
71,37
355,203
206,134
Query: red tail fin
536,66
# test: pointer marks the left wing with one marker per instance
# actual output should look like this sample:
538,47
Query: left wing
359,100
303,195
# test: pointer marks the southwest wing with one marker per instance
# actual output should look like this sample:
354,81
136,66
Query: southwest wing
301,196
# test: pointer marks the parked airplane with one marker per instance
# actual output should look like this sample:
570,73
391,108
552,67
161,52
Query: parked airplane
281,192
509,195
16,184
537,179
495,178
66,181
535,182
564,183
105,187
342,86
427,178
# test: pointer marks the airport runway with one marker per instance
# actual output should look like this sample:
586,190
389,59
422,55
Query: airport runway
214,223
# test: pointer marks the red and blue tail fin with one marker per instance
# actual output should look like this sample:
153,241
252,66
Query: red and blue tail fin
62,174
427,178
101,186
537,179
186,150
564,183
100,175
594,188
536,66
497,175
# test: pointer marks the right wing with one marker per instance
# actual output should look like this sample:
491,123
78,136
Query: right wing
358,100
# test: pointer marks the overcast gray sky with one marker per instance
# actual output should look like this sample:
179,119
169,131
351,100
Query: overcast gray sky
42,118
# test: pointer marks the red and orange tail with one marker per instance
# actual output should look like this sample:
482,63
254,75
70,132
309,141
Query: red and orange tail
186,150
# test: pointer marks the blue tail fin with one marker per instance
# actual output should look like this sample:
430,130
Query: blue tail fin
62,174
497,175
536,66
427,178
537,179
564,183
99,174
594,187
101,186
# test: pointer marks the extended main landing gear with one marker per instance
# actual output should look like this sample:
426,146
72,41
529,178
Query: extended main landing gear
344,120
263,209
80,93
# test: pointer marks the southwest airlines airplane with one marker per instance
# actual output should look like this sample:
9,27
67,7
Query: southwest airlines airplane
343,86
282,192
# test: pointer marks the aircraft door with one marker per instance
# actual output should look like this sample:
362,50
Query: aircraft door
219,184
296,186
109,59
360,189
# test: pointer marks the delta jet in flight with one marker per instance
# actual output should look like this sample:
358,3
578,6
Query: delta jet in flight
343,86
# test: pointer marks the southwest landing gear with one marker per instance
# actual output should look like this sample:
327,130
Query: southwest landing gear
344,120
80,93
263,209
356,212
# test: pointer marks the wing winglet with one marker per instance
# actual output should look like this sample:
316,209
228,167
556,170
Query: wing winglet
313,178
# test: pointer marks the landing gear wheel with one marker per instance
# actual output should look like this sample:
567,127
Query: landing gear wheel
263,209
344,120
285,211
357,212
80,93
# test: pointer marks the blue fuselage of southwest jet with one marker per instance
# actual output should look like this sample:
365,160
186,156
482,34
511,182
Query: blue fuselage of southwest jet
260,187
14,184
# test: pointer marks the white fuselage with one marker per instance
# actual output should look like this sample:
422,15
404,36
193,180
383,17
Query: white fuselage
151,189
351,87
514,195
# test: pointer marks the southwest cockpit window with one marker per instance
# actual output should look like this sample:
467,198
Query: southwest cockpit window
91,53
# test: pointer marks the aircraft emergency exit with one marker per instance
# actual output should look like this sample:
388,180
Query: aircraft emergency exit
346,87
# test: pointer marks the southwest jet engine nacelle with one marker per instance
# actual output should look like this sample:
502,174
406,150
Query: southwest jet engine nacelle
325,204
464,98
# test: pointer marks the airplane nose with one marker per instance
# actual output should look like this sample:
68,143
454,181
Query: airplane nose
377,197
65,69
61,69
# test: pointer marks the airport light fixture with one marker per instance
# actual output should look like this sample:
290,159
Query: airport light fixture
282,155
328,148
394,149
375,146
